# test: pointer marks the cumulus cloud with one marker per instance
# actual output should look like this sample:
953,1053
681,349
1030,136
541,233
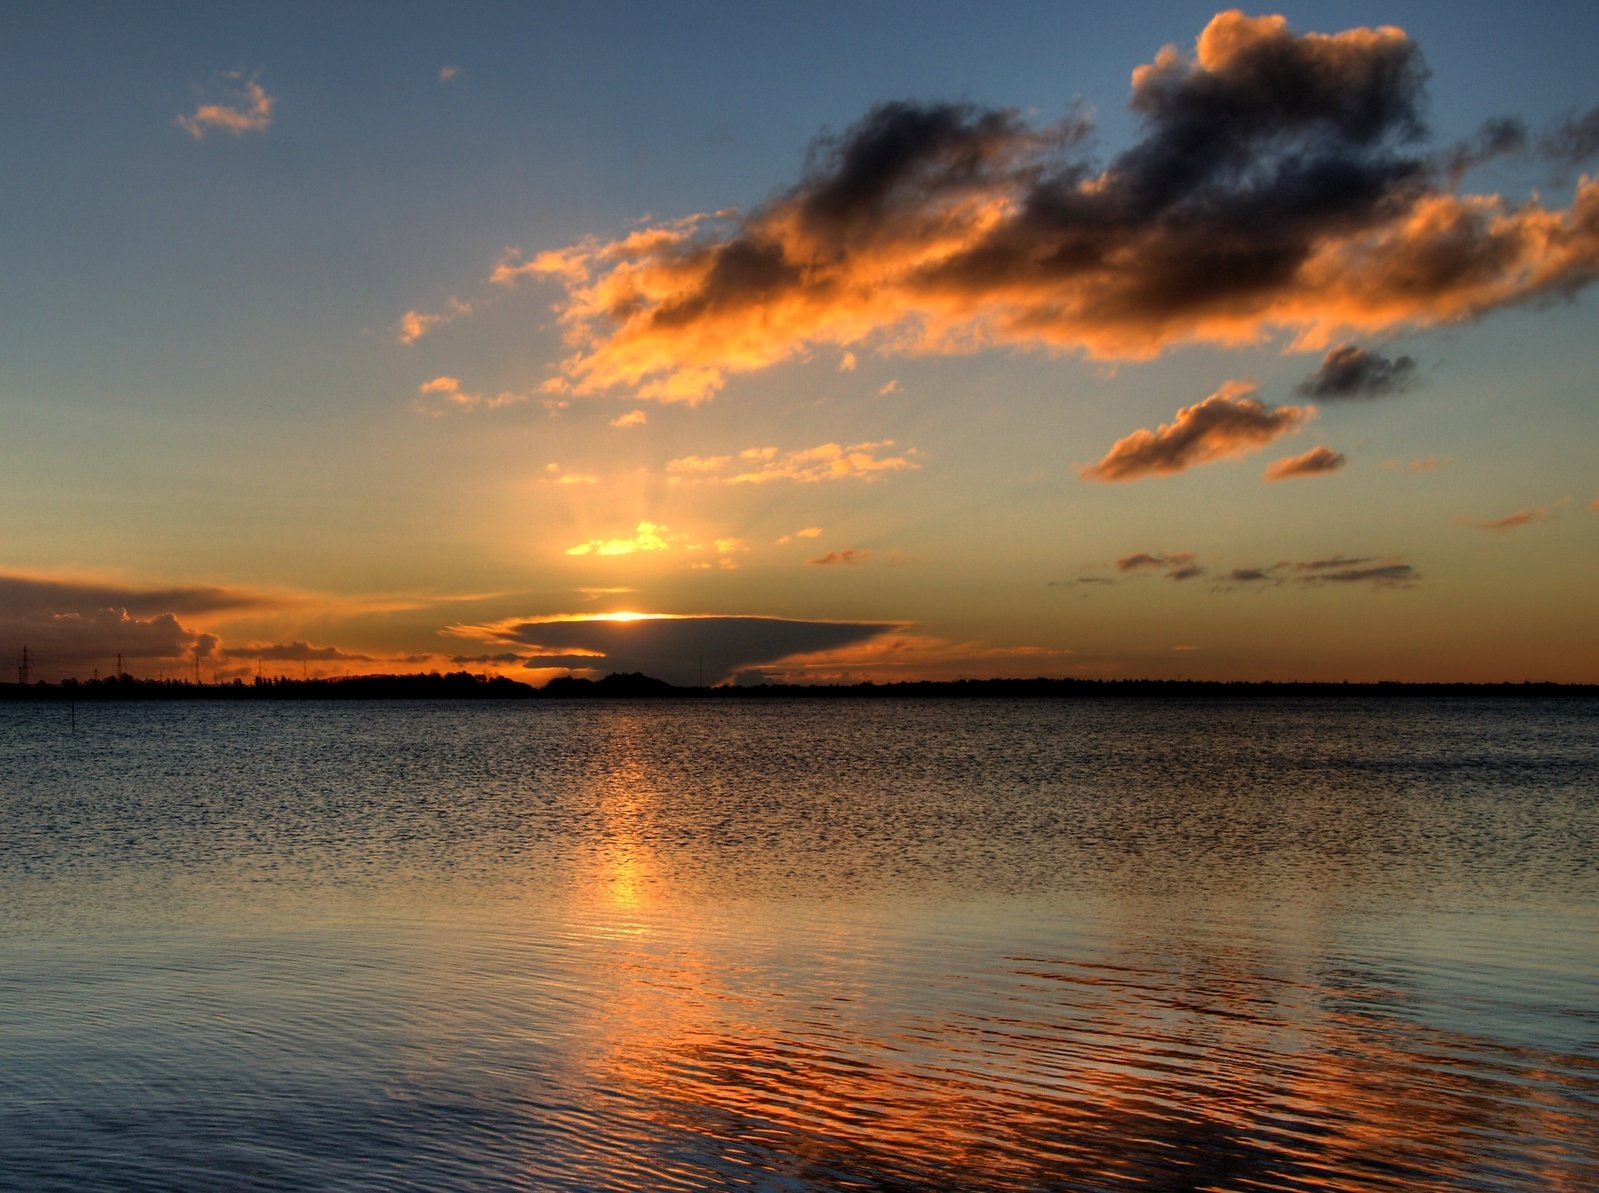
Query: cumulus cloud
1351,372
1279,187
1318,460
1515,521
676,649
1227,423
248,108
647,537
633,418
825,462
846,557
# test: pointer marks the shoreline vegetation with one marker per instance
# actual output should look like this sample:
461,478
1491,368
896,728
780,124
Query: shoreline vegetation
463,685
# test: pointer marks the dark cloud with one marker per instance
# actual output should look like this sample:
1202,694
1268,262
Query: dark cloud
1572,141
1279,184
62,644
293,652
1175,565
845,557
1388,575
676,649
1228,423
1330,564
1316,462
1350,372
1250,575
29,595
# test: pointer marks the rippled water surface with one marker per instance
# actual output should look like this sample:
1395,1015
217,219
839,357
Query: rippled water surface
800,945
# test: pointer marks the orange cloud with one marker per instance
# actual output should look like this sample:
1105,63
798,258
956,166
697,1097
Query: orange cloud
811,532
1318,460
1277,189
445,393
1510,522
825,462
1227,423
249,112
1176,565
633,418
414,324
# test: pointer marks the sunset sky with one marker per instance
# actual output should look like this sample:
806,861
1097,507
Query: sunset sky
844,341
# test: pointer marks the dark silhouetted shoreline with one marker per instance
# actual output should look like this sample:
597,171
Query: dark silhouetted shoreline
462,685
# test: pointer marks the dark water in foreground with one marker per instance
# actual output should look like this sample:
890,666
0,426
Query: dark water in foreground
800,946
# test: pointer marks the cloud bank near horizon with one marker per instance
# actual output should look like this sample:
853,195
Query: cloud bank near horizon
680,650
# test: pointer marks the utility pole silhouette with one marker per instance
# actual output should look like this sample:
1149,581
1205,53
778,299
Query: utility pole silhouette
22,666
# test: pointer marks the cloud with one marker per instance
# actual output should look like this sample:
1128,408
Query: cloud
847,363
32,596
1315,462
812,532
1429,464
1250,575
647,538
296,652
846,557
1350,372
1278,187
557,475
633,418
888,387
825,462
448,73
445,393
414,324
1227,423
1387,575
676,649
1510,522
249,109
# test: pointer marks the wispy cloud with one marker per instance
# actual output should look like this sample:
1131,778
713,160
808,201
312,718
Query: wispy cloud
1316,462
1228,423
845,558
1428,464
1350,372
1279,187
448,73
825,462
248,108
812,532
633,418
1515,521
1174,565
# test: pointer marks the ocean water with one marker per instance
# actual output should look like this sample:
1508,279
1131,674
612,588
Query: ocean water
791,945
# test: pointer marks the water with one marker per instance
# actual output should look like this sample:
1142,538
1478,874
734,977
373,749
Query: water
800,946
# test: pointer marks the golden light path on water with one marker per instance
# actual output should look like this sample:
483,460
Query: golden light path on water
805,947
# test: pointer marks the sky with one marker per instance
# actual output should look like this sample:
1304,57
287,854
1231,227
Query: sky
829,343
